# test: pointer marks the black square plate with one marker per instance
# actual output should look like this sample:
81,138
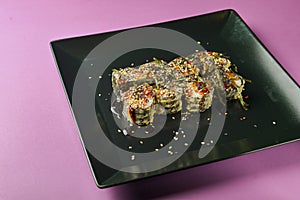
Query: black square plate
272,119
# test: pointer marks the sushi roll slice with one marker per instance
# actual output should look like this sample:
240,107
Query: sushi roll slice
138,105
123,79
234,85
182,68
198,96
169,99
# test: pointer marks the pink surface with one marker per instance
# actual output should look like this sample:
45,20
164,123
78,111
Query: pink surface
41,156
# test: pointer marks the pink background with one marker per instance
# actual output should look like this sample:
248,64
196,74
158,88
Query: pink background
41,156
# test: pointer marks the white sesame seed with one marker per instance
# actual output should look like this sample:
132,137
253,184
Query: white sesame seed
99,94
274,123
156,149
119,131
141,142
132,157
186,144
202,142
161,144
129,147
175,138
170,147
100,77
255,126
173,118
198,42
90,77
125,132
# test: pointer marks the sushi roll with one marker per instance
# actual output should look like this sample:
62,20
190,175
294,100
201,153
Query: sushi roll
234,85
151,73
158,87
198,96
138,105
215,68
182,68
123,79
168,99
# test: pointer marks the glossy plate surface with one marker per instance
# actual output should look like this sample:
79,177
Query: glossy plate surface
273,117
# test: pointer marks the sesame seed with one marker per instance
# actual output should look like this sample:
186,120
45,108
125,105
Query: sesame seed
274,123
129,147
183,136
92,64
100,77
132,157
186,144
125,132
119,131
173,118
202,142
161,144
141,142
225,133
175,138
90,77
208,119
132,64
99,94
156,149
255,126
170,147
198,42
170,152
211,141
